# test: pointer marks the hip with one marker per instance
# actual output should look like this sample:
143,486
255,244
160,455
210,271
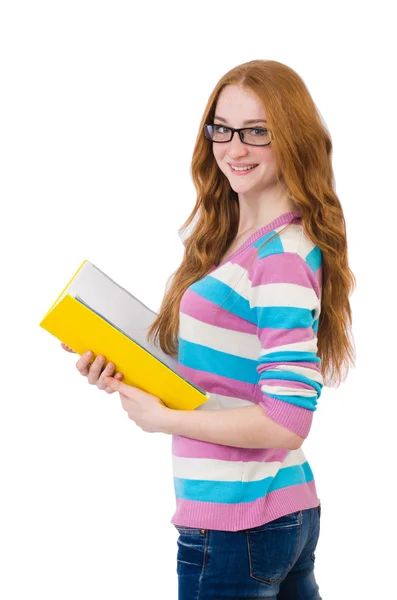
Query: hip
246,563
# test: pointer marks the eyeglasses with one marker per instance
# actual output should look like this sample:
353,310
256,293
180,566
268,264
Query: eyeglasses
253,136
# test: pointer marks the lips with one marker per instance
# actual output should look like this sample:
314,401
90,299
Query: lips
242,172
242,164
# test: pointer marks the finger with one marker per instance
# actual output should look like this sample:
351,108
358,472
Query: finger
119,376
65,347
106,372
96,369
83,364
119,386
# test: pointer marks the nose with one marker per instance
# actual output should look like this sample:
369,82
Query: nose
236,146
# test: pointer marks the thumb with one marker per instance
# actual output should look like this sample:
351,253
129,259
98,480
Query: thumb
120,386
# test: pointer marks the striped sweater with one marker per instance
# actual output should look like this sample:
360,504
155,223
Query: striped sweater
248,335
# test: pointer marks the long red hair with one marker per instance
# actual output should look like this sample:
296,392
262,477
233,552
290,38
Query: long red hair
302,148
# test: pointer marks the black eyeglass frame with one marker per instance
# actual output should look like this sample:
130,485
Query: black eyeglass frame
233,132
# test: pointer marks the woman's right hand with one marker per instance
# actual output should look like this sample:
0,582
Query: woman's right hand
95,371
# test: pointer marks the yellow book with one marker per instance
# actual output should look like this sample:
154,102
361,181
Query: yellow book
95,313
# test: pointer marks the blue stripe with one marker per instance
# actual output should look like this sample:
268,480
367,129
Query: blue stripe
223,295
196,356
273,247
302,401
290,376
315,325
282,317
233,492
314,259
278,317
288,356
292,476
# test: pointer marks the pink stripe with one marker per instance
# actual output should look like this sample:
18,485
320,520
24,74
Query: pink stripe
204,310
281,337
216,384
270,227
194,305
287,267
293,417
235,517
192,448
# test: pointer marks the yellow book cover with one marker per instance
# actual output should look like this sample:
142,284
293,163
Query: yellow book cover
95,313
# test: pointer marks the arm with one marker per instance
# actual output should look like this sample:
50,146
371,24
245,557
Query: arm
246,427
287,299
284,305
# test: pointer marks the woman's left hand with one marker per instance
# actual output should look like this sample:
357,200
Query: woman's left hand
146,410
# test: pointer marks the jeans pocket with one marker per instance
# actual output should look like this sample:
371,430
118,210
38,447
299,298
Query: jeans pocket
192,550
273,547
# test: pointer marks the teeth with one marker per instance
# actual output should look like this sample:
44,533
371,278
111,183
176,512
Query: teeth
243,168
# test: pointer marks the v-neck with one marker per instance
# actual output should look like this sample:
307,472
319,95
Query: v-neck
281,220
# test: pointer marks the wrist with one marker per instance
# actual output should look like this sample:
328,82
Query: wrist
169,420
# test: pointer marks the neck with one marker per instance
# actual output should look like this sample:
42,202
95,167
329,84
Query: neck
257,211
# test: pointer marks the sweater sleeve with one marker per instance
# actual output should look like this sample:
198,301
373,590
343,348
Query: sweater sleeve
286,301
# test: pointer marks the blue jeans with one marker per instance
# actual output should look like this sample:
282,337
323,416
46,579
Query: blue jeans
274,561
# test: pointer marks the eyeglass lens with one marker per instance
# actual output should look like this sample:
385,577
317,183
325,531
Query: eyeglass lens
256,136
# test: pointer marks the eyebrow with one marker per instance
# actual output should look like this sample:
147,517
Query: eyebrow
249,122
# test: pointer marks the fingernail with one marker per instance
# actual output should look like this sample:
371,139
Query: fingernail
88,354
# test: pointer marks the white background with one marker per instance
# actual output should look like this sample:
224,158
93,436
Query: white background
86,497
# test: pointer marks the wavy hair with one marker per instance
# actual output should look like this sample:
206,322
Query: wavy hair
302,152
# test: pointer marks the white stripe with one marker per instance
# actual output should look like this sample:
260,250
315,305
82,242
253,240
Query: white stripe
284,294
306,346
291,237
235,277
305,371
221,402
279,390
305,247
237,343
223,470
270,294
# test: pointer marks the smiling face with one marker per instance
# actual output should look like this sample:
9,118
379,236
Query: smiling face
239,107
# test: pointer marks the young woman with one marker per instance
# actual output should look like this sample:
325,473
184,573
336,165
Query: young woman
258,314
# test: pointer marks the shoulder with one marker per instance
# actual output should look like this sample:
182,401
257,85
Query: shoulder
289,240
286,255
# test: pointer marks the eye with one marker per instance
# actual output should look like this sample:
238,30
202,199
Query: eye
218,128
258,131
